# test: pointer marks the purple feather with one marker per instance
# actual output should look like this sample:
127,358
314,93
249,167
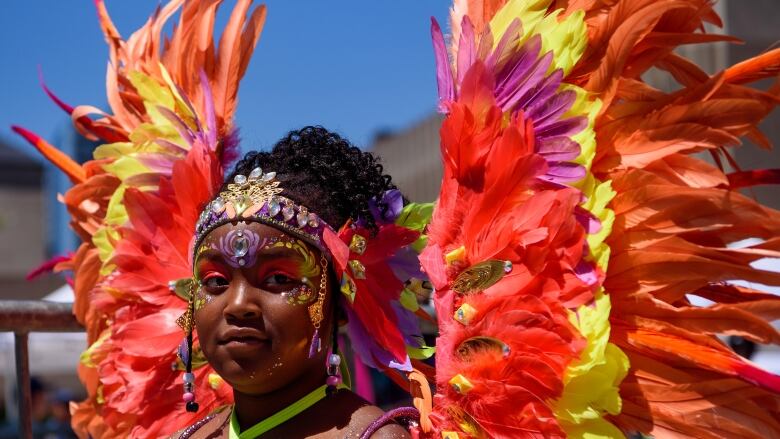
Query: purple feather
518,64
467,50
542,93
545,112
408,324
230,149
562,172
512,34
211,117
565,127
586,272
368,349
443,70
523,81
198,127
557,148
405,264
181,127
171,148
591,223
394,202
156,162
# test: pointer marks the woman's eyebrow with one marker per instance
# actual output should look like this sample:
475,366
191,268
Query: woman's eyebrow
278,253
266,253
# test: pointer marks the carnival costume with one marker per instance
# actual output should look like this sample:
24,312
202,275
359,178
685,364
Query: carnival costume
572,225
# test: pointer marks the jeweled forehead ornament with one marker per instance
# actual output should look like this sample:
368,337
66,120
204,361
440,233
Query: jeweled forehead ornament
256,197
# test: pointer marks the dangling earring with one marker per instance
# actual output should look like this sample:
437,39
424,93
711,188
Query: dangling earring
315,310
185,352
334,359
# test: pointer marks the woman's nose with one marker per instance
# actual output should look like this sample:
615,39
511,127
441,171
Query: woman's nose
243,301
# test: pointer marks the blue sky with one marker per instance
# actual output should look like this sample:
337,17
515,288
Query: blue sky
352,66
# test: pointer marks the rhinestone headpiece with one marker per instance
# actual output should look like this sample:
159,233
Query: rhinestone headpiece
255,197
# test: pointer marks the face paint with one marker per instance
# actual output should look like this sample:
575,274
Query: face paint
239,247
308,269
201,298
301,295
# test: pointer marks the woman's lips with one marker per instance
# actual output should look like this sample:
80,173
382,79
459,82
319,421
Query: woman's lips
243,341
242,337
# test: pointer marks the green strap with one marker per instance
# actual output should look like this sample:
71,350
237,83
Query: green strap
279,417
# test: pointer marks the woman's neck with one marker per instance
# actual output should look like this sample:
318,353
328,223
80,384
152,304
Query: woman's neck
251,409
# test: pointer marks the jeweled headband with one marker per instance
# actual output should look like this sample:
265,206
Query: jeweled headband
255,197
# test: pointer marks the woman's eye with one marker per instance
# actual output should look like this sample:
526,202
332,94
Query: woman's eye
214,282
278,279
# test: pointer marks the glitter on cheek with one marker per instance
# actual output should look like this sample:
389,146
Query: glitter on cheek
300,295
202,298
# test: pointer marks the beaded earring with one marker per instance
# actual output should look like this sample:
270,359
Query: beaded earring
315,310
186,322
334,359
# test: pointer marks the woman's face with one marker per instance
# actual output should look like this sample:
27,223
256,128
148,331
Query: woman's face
252,306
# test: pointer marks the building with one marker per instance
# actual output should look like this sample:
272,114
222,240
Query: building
23,225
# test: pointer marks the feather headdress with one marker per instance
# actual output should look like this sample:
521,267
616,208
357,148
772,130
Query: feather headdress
166,139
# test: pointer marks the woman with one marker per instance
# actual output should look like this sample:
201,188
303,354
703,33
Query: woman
265,292
281,257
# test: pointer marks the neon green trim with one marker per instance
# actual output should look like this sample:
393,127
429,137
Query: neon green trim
279,417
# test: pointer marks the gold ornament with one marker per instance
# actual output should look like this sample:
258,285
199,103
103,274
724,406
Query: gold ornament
316,309
481,344
480,277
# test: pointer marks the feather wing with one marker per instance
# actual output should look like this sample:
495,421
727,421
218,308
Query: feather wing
168,134
608,220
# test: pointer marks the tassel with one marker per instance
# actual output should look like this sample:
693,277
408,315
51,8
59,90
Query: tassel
184,351
315,344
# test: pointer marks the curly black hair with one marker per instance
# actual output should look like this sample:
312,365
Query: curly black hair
324,172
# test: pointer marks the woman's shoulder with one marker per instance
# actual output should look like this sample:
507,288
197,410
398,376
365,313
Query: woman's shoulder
365,415
207,427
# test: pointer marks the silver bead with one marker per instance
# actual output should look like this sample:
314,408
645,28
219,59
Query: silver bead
217,205
255,174
288,212
274,207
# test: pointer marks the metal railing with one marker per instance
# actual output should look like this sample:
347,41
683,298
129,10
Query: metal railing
23,317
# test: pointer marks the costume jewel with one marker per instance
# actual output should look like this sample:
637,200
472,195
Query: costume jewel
480,277
257,198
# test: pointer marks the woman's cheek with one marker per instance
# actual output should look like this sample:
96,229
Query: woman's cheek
300,295
202,299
